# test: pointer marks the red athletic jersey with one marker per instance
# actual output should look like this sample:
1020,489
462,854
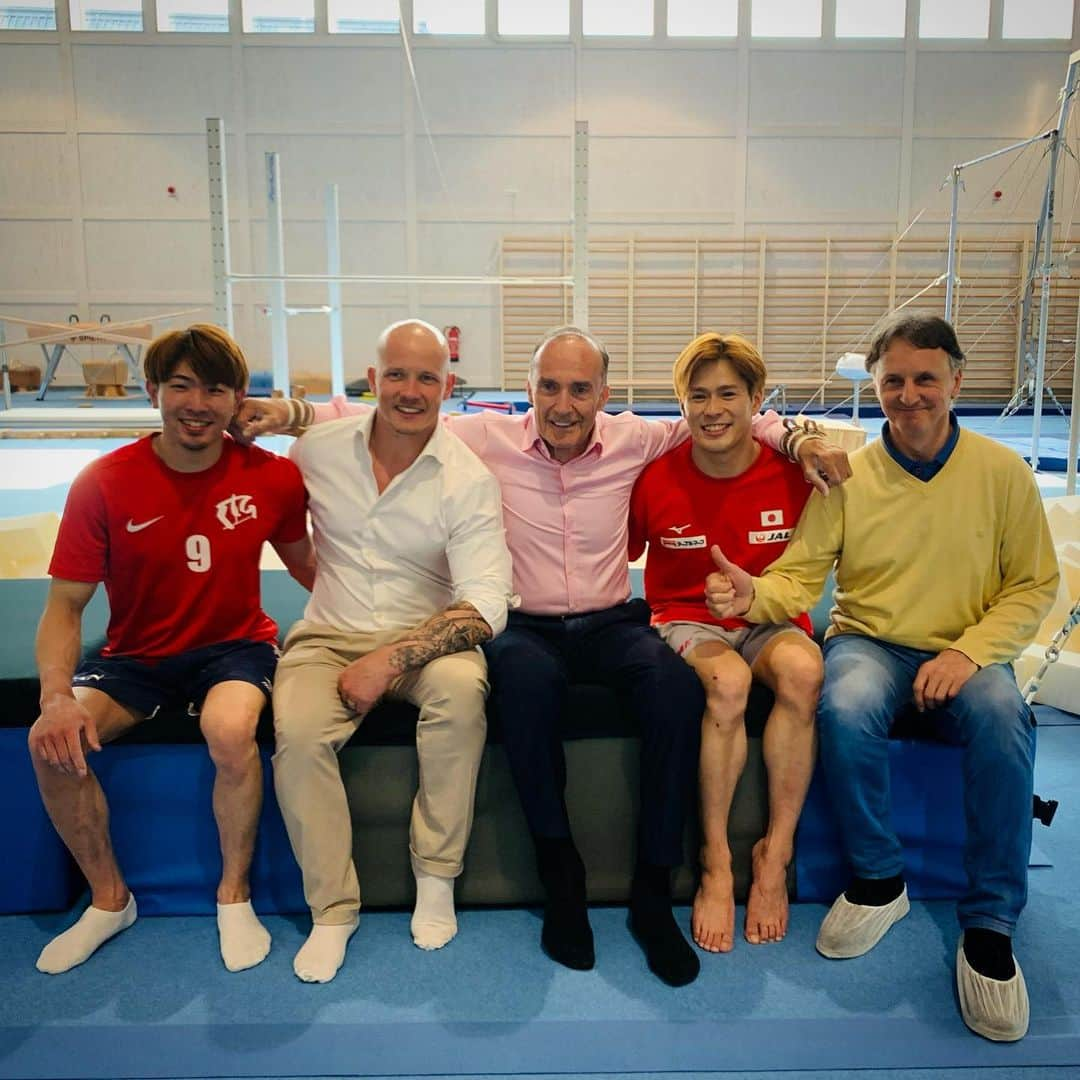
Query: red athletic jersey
680,512
178,552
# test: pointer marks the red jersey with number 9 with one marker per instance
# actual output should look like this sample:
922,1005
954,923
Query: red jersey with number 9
178,552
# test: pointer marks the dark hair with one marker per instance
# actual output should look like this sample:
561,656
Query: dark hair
214,357
918,328
570,331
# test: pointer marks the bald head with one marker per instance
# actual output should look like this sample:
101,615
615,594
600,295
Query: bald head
411,335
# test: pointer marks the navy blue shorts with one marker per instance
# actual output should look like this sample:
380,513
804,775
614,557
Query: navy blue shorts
186,677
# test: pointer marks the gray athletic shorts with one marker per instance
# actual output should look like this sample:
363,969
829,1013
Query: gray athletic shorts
747,641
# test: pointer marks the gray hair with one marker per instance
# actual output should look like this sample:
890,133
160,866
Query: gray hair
570,331
920,329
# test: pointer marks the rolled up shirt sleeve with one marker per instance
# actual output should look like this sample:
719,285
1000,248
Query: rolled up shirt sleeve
476,551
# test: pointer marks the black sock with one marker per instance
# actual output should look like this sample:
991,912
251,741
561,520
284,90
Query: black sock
874,892
567,936
989,953
669,954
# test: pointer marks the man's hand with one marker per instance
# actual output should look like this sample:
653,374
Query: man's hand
260,416
824,464
56,737
730,590
366,680
941,679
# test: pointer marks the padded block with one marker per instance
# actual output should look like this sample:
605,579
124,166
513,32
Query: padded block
165,837
36,872
928,815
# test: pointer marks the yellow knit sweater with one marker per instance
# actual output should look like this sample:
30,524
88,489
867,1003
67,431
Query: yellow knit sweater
964,561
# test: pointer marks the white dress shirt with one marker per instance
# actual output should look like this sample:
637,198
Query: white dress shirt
389,562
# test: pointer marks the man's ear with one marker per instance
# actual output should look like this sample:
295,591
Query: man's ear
449,386
152,391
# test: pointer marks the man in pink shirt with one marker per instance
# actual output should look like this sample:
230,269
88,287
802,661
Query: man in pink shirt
566,470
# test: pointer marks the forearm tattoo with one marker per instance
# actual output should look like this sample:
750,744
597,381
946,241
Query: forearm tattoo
457,629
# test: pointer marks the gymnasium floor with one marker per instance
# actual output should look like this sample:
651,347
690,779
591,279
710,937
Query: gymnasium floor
156,1002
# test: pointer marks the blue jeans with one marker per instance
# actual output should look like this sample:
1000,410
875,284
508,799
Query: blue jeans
531,666
866,682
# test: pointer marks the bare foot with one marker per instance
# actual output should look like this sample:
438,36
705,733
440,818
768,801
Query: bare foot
713,920
767,904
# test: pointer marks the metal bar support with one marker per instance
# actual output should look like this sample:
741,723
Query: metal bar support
275,257
1074,415
219,223
581,224
1067,92
333,290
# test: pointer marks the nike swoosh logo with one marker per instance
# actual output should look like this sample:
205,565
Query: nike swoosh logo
133,528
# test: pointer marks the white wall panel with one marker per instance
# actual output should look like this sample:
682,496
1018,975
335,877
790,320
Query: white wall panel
137,258
822,179
35,175
302,89
31,88
368,170
525,91
37,257
495,179
976,93
142,88
653,92
129,175
686,179
830,90
367,247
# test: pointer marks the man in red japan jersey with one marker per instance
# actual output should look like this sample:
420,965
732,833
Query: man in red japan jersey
722,488
174,525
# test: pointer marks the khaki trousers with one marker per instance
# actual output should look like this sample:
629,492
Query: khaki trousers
311,725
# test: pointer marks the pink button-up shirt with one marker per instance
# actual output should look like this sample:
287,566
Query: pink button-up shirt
566,523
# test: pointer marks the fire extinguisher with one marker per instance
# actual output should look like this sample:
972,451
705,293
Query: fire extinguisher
453,341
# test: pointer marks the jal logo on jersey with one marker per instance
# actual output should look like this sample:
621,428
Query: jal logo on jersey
769,536
235,510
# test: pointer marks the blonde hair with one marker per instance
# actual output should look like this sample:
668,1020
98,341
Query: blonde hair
710,347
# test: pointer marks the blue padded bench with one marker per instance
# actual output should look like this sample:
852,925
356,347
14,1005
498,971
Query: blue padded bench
158,782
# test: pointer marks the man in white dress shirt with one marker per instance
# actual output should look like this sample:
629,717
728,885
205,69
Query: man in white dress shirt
412,574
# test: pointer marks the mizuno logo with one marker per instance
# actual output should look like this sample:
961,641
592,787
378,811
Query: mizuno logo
133,528
680,529
682,541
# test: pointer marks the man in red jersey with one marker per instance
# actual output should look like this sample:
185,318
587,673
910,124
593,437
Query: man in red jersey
724,488
174,525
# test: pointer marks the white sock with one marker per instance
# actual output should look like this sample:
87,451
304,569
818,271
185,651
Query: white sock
244,940
324,951
79,942
434,922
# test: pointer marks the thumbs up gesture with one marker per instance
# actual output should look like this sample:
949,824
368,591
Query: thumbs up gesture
729,590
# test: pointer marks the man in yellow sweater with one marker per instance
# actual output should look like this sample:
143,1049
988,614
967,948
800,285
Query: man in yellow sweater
944,571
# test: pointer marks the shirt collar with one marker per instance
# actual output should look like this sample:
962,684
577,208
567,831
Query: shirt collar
923,469
530,437
435,447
